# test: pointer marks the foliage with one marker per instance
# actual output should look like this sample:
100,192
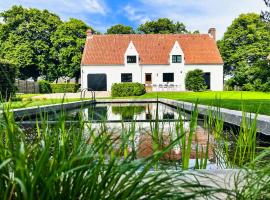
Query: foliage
162,25
128,112
74,160
127,89
67,47
120,29
44,87
64,87
25,39
194,81
244,48
7,79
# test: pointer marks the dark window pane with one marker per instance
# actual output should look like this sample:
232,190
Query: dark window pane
176,59
168,77
148,77
207,80
131,59
126,78
97,82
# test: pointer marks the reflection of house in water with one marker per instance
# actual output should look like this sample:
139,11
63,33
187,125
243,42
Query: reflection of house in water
145,146
129,112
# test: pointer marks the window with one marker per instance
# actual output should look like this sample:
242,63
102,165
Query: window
207,78
131,59
126,78
148,77
176,59
168,77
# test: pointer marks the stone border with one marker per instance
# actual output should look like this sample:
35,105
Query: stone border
233,117
18,113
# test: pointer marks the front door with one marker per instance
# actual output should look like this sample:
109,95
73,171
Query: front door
148,82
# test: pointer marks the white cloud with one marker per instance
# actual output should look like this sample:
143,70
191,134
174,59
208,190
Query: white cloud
95,6
135,15
63,7
90,11
202,14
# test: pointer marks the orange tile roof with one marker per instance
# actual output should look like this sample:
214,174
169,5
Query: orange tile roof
152,48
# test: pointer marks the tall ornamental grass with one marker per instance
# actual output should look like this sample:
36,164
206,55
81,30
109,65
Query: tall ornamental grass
75,161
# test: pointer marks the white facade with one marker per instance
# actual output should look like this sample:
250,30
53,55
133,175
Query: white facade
138,71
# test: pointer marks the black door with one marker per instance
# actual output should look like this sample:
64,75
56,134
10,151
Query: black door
97,82
207,80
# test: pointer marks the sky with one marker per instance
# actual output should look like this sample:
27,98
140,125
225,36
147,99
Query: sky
101,14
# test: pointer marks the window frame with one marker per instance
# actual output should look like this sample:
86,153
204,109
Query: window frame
175,59
167,81
125,79
134,61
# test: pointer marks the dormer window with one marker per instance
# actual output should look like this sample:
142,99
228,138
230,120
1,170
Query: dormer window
131,59
176,59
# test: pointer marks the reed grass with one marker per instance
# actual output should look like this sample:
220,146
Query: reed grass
76,161
73,161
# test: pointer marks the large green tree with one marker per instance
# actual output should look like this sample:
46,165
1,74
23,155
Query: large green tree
120,29
68,43
25,39
244,48
163,26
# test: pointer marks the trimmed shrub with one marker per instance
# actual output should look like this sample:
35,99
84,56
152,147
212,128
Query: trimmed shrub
64,87
44,87
127,89
195,81
7,79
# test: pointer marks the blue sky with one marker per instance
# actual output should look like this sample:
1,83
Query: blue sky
101,14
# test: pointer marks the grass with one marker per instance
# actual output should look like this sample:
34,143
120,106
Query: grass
38,102
253,101
228,99
75,161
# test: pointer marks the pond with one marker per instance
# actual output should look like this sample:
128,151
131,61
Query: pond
148,125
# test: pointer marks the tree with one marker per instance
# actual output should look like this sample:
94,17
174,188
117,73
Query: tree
163,26
120,29
68,43
7,79
194,80
245,42
244,48
25,36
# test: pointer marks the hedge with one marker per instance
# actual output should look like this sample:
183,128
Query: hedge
7,79
44,87
64,87
195,81
127,89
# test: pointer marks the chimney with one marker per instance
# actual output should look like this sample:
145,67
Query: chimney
212,33
89,34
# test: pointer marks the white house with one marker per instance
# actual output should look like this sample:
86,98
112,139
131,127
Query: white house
160,61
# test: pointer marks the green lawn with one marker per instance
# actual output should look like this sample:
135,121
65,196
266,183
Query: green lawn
252,101
38,102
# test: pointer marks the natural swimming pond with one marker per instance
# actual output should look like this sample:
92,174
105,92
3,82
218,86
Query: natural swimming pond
149,127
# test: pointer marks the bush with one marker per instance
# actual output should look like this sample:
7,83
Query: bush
195,81
7,79
44,87
127,89
64,87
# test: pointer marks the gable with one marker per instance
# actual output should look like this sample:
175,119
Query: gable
152,49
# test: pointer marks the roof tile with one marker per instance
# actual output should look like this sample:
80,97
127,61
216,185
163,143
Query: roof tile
152,48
